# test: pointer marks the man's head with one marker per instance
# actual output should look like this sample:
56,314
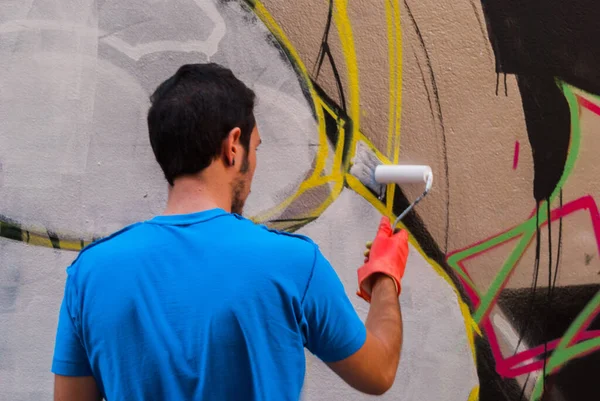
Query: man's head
201,117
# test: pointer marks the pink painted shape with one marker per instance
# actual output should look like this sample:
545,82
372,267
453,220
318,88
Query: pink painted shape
516,156
593,107
508,367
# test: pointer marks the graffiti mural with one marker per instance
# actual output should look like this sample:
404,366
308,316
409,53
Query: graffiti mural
500,97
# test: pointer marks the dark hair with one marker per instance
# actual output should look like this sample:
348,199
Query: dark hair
191,114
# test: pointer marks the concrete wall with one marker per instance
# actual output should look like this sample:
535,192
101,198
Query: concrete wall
501,100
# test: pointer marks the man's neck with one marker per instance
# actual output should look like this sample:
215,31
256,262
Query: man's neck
193,195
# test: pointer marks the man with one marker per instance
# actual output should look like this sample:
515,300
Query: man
200,303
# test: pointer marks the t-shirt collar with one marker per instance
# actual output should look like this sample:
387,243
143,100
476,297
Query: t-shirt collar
189,218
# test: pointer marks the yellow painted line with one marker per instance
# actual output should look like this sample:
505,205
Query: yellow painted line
341,123
38,240
470,328
396,116
69,245
398,73
318,182
338,186
344,28
328,109
392,76
358,187
383,158
474,396
275,29
389,14
304,186
339,154
323,151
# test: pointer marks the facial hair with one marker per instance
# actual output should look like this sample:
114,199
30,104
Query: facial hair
239,187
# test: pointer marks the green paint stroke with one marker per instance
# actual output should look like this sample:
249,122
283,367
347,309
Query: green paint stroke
509,264
454,260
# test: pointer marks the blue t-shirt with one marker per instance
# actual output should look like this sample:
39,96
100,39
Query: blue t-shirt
203,306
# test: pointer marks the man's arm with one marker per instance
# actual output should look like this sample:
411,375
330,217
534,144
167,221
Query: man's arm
372,369
370,363
73,388
73,380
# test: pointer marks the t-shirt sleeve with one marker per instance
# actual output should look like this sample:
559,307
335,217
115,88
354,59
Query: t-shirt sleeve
70,357
332,329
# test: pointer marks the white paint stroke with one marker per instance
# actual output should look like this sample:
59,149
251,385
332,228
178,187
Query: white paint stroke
50,25
209,47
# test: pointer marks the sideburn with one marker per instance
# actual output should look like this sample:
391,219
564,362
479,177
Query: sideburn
245,164
238,186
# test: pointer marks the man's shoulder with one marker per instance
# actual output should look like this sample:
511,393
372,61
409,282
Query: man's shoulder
281,235
292,237
105,248
283,240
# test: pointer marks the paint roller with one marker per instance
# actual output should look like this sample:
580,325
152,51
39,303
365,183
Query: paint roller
404,174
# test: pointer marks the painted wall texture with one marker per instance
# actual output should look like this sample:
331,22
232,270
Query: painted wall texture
501,97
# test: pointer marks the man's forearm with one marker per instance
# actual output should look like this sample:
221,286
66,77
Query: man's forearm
385,319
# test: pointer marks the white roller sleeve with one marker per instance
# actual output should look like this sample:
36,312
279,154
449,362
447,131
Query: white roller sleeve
407,174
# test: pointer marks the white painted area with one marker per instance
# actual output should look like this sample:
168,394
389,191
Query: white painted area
509,335
48,25
74,148
31,288
508,338
436,362
209,46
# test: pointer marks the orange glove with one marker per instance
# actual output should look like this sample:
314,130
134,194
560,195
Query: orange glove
387,255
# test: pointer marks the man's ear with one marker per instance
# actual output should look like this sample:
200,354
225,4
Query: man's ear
231,147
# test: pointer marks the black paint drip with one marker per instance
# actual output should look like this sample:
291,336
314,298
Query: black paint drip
548,123
548,331
549,300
